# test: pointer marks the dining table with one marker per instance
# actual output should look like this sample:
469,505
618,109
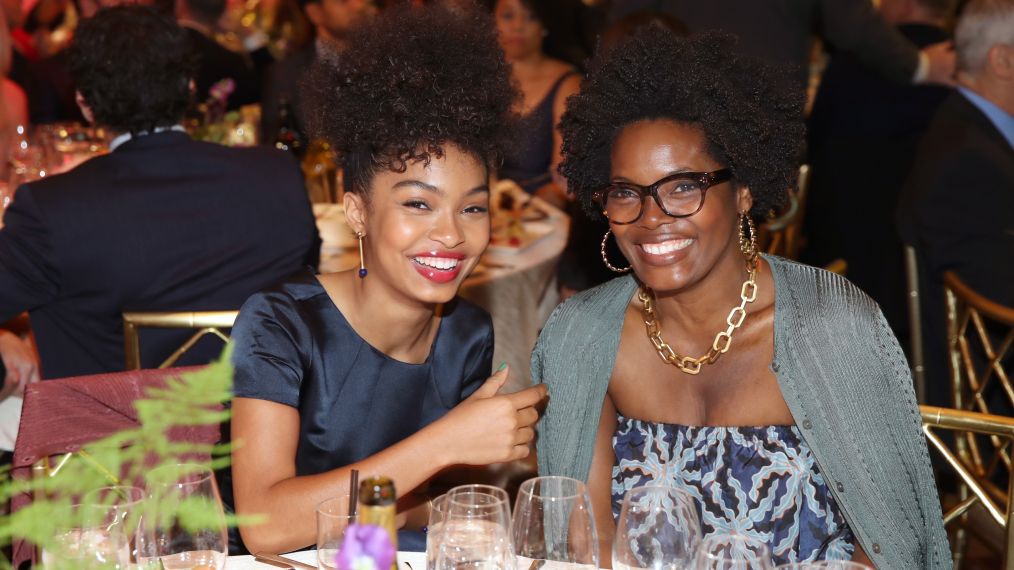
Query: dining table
406,561
515,280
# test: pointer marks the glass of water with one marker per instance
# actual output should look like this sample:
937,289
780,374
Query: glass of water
332,520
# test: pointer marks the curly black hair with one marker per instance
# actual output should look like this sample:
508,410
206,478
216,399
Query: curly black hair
411,81
133,67
750,111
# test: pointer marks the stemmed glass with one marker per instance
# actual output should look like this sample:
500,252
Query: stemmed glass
183,525
475,530
553,522
658,529
93,538
732,552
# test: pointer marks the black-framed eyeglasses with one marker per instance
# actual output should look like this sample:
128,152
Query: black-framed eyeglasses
679,195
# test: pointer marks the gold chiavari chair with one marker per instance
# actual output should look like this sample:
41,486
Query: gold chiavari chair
980,338
782,235
978,469
913,289
980,335
205,323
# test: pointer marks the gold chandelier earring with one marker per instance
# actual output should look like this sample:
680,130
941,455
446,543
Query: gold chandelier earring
748,240
362,261
605,258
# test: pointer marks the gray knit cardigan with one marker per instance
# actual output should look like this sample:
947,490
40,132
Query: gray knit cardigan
841,372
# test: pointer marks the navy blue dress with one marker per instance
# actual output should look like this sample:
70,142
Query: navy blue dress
293,346
527,163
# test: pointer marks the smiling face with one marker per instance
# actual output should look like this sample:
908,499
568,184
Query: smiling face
426,227
518,30
670,254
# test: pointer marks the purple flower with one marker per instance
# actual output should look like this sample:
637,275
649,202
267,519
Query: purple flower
365,547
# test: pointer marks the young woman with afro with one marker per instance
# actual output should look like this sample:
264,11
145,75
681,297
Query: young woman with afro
382,369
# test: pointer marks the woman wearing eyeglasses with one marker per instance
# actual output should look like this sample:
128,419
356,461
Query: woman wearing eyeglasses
772,392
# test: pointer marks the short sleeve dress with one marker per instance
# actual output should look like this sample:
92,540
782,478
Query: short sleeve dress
293,346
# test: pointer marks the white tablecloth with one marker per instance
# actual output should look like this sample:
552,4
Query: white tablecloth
406,561
517,288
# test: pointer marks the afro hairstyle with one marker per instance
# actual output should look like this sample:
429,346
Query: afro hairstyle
413,80
750,111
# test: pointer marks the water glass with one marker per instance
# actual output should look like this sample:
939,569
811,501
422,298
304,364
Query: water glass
553,522
183,522
658,529
125,504
332,520
732,552
474,533
93,538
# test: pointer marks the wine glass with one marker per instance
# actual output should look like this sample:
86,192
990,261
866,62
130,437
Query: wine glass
658,529
553,522
493,502
183,525
474,533
732,552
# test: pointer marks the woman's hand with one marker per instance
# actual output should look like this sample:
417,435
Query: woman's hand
489,428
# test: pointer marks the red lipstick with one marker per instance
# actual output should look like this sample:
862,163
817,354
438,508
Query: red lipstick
438,266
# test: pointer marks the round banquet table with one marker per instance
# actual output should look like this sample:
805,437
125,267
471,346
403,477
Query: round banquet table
406,561
517,286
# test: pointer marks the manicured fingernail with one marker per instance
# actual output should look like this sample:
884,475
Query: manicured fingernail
502,366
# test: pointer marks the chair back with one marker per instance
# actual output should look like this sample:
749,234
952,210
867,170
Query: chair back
980,340
205,322
782,235
59,417
984,479
913,289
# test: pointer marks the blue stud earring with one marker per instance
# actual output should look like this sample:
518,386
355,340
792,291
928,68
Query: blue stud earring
362,263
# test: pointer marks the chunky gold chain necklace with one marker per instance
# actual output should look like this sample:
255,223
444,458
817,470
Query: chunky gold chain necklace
690,365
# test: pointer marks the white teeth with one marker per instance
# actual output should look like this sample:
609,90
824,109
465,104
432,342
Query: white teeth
443,263
666,246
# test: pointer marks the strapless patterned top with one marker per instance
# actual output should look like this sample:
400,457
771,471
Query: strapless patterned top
762,482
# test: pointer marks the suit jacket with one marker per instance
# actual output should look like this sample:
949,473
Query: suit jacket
956,210
866,129
780,30
286,81
216,62
162,223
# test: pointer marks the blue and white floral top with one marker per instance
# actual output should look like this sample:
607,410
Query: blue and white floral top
762,482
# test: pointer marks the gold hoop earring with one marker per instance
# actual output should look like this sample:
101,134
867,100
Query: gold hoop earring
748,244
362,261
605,258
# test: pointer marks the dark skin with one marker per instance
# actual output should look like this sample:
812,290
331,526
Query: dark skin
696,269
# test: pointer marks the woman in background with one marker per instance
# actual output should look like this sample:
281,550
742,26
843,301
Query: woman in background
545,84
13,103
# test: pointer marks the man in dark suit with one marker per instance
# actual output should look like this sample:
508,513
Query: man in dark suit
781,30
863,133
956,207
215,62
285,84
161,223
